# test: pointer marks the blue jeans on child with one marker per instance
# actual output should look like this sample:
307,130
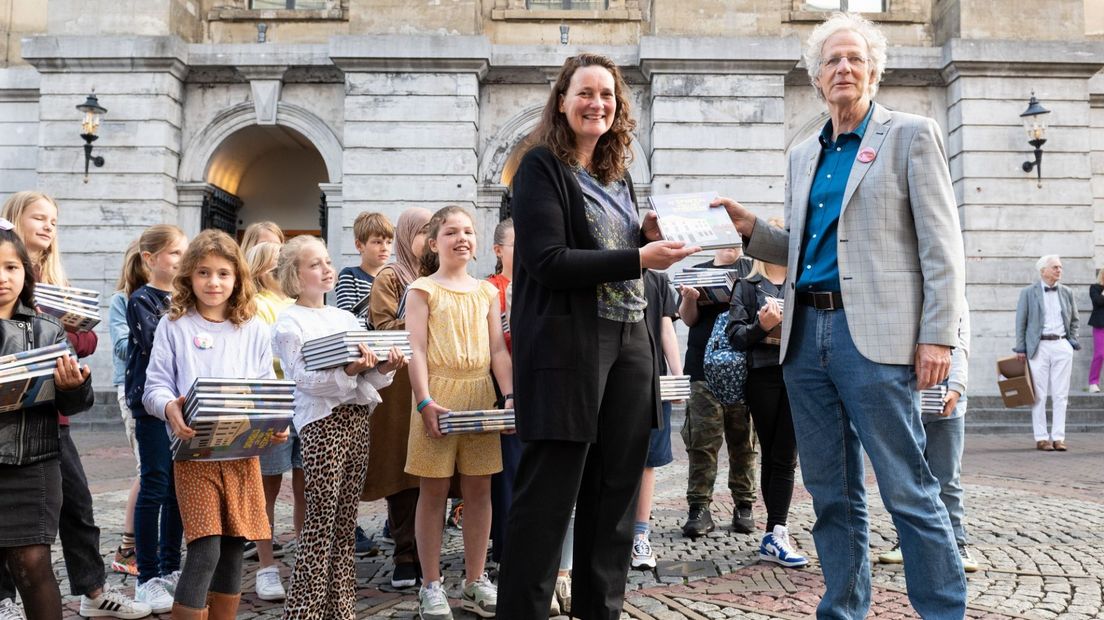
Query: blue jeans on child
842,404
157,527
946,439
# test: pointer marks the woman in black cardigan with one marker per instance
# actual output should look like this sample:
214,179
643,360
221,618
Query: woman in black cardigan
586,384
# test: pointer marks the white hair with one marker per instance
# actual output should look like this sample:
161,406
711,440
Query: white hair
853,22
1046,261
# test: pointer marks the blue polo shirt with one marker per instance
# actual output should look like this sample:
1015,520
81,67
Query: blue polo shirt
819,269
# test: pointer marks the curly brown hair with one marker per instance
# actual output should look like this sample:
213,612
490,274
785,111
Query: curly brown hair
240,307
613,153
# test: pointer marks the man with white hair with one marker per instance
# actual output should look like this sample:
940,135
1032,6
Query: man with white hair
876,274
1046,334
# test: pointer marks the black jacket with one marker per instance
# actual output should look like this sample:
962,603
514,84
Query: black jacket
31,435
554,316
1096,294
743,328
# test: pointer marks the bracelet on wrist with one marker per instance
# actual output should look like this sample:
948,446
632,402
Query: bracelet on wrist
509,396
424,404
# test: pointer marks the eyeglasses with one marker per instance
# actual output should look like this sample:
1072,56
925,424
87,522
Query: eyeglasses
834,61
6,225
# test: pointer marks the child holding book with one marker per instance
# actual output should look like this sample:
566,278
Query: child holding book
277,460
126,561
34,216
390,425
374,236
30,468
332,409
455,329
157,526
211,331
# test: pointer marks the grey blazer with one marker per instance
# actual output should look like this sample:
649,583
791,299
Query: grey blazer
1030,313
899,250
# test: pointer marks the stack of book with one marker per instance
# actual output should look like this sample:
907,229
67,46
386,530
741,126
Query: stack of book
674,387
482,421
27,377
77,309
714,285
932,400
344,347
774,336
234,418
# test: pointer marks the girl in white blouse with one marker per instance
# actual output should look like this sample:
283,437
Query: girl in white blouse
331,414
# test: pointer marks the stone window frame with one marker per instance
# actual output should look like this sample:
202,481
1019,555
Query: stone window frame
616,10
897,11
238,10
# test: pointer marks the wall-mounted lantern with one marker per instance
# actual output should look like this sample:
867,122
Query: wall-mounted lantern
93,112
1035,123
564,31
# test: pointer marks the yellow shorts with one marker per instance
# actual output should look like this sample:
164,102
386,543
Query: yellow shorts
472,454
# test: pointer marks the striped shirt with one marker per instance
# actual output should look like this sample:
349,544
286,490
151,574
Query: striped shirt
353,285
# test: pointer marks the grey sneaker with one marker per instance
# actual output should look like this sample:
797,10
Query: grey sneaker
432,602
9,610
480,597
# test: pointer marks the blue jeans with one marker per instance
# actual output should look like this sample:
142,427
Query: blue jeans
946,437
157,526
842,404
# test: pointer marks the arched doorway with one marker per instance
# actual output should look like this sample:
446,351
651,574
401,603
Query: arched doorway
275,172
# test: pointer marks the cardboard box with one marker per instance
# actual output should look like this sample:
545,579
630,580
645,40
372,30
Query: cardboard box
1014,381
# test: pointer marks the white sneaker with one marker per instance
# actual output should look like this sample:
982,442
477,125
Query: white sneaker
479,597
154,594
269,587
642,556
1093,388
170,581
112,603
9,610
432,602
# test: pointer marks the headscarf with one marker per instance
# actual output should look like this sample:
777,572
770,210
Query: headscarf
407,264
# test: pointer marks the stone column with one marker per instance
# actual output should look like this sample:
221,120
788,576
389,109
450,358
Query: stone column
718,116
411,124
1007,220
140,82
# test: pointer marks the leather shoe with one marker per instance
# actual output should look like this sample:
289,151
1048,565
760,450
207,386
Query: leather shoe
1060,445
1044,445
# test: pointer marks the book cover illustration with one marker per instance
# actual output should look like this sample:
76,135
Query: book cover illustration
690,219
27,377
234,418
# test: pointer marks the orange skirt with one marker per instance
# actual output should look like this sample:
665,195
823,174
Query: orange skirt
221,498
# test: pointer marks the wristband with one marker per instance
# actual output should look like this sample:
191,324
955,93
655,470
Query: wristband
424,404
509,396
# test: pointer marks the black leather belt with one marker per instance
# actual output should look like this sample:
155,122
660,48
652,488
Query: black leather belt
1051,337
821,301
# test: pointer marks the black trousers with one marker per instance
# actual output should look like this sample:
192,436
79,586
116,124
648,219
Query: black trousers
601,480
80,538
770,412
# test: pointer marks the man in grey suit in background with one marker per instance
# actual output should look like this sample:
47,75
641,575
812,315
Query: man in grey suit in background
876,273
1046,334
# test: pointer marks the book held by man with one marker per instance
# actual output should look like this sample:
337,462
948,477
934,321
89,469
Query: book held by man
343,348
77,309
27,377
234,418
690,219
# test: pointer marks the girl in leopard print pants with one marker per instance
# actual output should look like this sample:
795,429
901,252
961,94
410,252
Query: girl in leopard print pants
332,408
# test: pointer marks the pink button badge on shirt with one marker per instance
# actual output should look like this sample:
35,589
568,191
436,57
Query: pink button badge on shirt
867,155
203,341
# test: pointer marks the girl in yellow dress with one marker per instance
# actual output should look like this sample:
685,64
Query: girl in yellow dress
456,336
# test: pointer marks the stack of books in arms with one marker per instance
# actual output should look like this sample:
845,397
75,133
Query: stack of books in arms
27,377
714,285
344,347
674,387
931,400
78,309
233,418
482,421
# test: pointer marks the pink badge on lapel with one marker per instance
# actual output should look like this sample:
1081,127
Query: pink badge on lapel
867,155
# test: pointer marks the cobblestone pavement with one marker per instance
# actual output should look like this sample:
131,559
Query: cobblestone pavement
1036,521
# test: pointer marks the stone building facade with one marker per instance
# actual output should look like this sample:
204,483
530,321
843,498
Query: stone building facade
234,107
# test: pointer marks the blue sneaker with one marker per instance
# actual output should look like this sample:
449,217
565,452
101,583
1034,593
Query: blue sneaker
776,548
364,544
